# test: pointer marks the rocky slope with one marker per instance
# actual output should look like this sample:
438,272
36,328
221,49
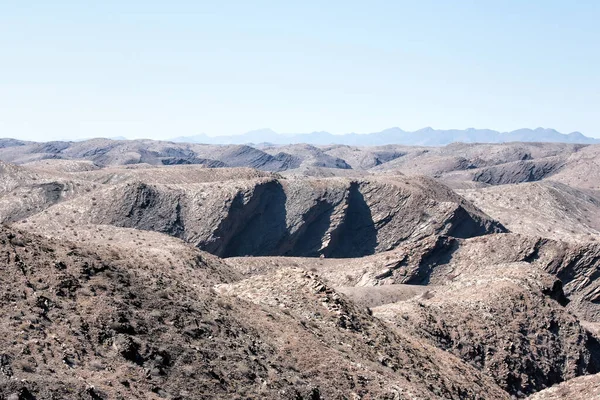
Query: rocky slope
581,169
308,156
437,260
268,216
25,191
582,388
507,320
548,209
519,171
94,321
459,164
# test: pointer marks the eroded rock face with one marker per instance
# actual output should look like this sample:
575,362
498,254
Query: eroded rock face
507,320
574,264
294,217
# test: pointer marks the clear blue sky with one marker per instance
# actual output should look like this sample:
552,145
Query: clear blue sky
160,69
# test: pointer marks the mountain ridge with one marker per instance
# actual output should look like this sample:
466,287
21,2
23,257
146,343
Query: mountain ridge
423,137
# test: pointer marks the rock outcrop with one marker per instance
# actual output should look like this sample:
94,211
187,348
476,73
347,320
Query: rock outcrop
293,217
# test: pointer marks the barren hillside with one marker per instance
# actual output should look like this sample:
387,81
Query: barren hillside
548,209
268,216
457,164
393,272
91,321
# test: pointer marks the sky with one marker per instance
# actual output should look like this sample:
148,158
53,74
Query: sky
163,69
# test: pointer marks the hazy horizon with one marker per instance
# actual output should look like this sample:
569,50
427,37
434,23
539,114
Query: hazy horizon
143,69
353,132
261,130
427,136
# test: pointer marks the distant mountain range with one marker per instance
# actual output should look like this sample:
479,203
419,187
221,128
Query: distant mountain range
422,137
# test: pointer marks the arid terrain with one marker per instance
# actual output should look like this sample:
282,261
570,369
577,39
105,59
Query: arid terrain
160,270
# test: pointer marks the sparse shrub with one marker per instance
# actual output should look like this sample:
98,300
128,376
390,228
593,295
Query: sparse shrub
451,277
427,295
96,365
27,367
223,303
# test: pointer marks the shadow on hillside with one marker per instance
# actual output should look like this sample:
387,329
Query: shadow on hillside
254,228
258,227
307,240
356,236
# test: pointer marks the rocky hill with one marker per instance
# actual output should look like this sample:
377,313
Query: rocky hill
550,209
27,191
490,319
82,321
142,269
458,164
268,216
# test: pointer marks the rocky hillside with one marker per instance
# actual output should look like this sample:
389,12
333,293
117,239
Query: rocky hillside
550,209
95,321
582,388
458,164
510,324
27,191
143,269
269,216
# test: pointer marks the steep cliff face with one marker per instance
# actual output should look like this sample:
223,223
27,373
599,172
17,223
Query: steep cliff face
267,216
